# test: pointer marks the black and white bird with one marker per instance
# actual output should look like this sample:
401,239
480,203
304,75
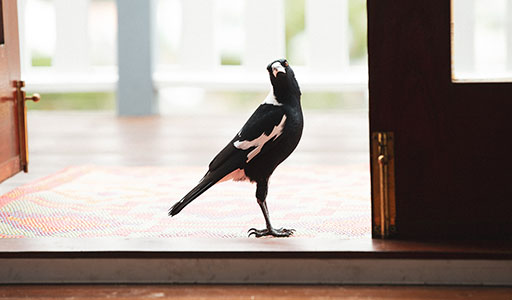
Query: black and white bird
267,139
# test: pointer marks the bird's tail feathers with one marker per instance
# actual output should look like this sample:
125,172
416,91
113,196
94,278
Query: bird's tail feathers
207,182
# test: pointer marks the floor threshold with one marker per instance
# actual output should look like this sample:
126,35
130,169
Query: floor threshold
255,261
251,248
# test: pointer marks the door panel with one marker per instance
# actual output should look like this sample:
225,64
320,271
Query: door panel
450,139
10,156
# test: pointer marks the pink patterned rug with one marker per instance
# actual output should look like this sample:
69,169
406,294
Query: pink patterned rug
132,202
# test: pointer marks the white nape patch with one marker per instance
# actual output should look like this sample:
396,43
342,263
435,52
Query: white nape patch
277,67
260,141
236,175
271,99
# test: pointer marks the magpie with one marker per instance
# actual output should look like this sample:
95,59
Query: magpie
269,136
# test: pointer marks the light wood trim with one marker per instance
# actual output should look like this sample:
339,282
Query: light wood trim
9,168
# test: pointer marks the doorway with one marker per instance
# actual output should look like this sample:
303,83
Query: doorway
210,96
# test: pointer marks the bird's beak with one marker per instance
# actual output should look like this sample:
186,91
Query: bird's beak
277,69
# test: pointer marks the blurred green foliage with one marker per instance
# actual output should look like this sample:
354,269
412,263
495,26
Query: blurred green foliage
41,61
74,101
231,101
230,60
358,28
246,101
294,24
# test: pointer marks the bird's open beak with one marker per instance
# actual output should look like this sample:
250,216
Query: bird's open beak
278,68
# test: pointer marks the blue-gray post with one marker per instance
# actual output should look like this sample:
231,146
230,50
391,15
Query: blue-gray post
135,91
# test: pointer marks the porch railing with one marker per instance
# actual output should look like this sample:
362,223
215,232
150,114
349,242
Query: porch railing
327,65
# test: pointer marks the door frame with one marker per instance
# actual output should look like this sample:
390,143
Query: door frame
272,256
13,98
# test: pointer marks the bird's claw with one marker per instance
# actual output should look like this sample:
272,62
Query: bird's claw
281,232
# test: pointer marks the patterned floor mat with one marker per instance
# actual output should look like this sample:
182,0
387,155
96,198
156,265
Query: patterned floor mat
132,202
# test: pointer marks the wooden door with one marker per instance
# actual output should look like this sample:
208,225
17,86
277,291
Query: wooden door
12,123
451,140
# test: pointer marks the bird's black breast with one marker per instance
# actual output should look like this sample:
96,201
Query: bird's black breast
276,151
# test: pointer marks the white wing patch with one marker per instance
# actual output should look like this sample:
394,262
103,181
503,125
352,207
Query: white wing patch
260,141
271,99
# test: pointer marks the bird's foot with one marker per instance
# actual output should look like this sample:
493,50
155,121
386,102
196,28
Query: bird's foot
281,232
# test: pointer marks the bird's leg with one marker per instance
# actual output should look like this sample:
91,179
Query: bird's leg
281,232
261,195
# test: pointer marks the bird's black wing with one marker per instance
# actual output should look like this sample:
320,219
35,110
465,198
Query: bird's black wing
263,121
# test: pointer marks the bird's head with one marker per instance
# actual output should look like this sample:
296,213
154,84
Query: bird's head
283,81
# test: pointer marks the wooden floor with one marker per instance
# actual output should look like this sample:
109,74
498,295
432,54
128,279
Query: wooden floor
253,292
61,139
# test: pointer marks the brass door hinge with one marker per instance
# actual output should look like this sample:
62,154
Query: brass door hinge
22,121
383,184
